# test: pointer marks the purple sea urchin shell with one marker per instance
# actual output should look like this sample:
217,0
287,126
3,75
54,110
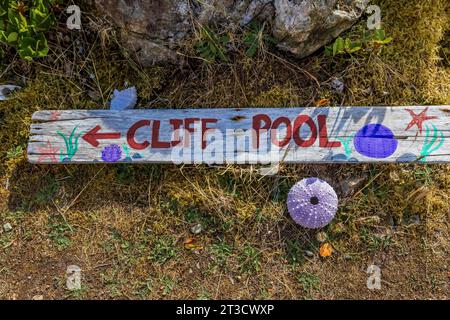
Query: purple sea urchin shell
312,203
111,153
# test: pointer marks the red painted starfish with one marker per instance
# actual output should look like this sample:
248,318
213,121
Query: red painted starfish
47,152
418,119
54,115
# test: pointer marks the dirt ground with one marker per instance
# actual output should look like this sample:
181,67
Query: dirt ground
126,226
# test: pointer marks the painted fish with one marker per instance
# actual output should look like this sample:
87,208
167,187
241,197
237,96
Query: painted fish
125,99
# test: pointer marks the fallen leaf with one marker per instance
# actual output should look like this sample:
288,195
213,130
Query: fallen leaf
322,102
190,244
326,250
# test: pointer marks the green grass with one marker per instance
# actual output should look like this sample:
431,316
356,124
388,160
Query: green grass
249,259
308,282
60,233
221,251
163,250
294,252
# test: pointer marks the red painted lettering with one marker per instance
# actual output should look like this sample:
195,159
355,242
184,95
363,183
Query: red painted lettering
155,136
298,123
258,125
323,134
132,133
275,126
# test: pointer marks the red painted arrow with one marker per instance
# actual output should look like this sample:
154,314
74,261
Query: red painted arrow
93,136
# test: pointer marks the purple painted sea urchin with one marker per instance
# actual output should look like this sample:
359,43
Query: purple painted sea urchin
312,203
111,153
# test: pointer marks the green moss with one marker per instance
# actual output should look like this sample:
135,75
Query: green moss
406,72
276,96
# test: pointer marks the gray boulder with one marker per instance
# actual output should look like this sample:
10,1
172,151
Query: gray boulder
155,29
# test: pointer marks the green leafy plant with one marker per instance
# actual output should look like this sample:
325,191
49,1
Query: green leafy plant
294,252
379,37
309,282
163,250
249,259
342,46
255,39
14,152
23,24
60,233
222,251
211,46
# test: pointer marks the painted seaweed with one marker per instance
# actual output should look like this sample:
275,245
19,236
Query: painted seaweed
71,145
429,144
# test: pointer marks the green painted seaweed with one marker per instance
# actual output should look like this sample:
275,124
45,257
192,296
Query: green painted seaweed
126,150
71,145
347,145
429,142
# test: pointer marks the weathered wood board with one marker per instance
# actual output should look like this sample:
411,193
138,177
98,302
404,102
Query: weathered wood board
243,136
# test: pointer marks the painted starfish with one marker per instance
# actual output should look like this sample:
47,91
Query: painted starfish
418,119
54,115
47,152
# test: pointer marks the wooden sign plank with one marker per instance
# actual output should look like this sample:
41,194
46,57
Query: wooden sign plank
243,136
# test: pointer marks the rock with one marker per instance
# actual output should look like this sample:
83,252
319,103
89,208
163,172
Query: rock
7,227
197,229
309,253
38,297
155,30
337,85
415,219
6,90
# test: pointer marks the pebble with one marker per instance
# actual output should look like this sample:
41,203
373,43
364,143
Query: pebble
6,90
7,227
197,229
309,253
338,85
321,237
414,219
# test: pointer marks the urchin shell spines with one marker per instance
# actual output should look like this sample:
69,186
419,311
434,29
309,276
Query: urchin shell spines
312,203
